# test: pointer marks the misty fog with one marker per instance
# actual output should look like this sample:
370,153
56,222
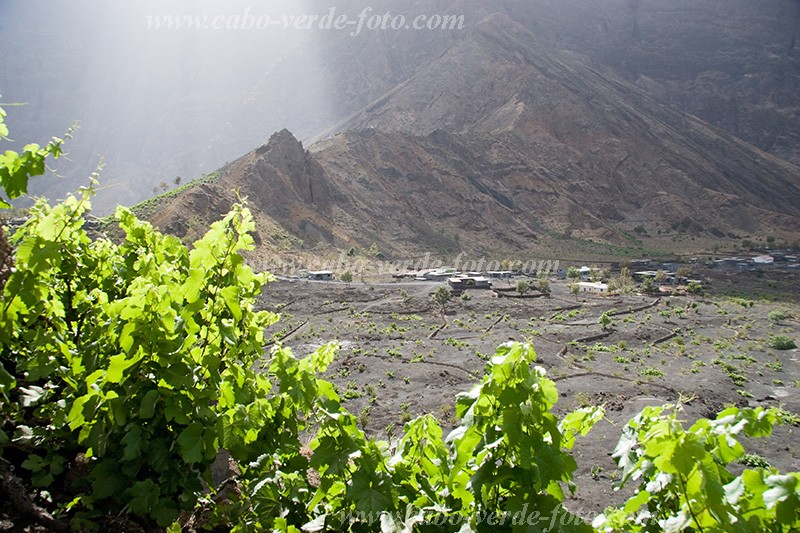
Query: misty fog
153,104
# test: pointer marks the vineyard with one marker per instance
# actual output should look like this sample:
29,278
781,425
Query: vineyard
130,370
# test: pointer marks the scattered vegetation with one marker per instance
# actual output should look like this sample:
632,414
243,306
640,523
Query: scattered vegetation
147,207
650,371
623,283
543,285
695,288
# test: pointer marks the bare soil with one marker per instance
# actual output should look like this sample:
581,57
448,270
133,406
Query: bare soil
400,357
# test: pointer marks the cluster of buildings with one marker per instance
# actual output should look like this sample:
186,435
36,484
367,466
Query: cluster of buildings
779,260
662,276
446,273
457,280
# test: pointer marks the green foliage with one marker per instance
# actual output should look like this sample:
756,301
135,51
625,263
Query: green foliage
543,285
17,168
684,479
147,207
695,288
441,297
573,273
744,302
606,322
623,283
135,358
508,454
754,460
777,316
523,287
650,371
596,274
781,342
574,288
346,277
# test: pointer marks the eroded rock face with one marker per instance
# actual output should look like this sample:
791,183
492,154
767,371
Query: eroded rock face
732,63
283,168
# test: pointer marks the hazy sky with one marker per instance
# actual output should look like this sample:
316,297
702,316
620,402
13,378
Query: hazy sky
154,103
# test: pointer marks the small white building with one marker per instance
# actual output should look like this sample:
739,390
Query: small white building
437,274
764,260
320,275
592,287
470,282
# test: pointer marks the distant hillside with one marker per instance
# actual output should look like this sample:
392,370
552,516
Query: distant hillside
506,143
155,105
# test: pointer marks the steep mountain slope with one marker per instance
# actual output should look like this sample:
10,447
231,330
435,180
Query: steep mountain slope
504,80
733,63
505,143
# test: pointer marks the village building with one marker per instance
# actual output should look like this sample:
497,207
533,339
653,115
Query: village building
469,282
436,274
499,274
727,262
643,274
669,277
592,287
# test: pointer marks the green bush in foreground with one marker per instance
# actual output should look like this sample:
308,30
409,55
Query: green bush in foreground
131,362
